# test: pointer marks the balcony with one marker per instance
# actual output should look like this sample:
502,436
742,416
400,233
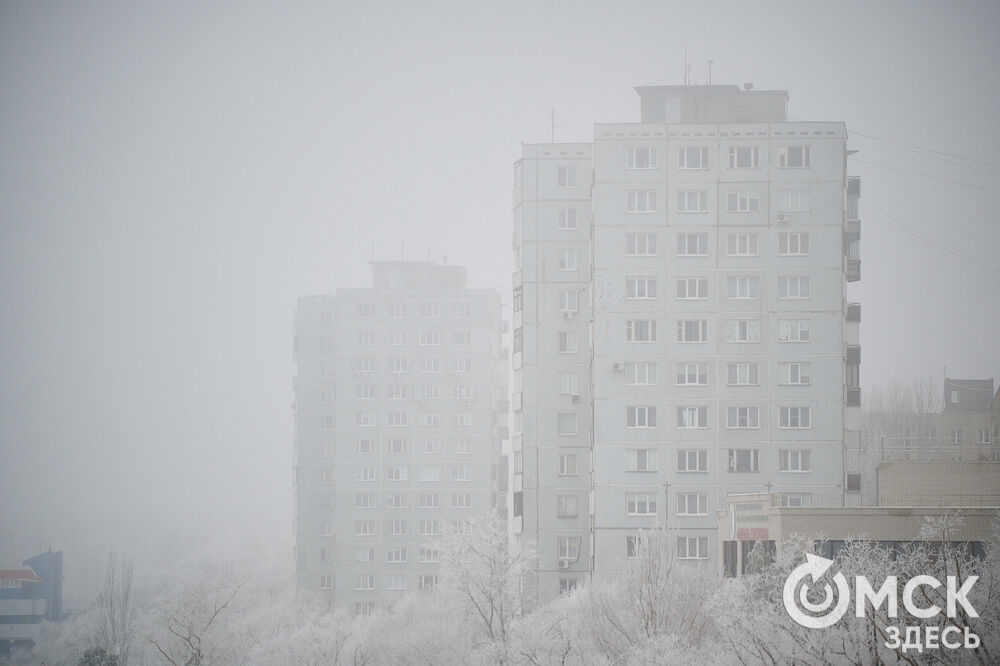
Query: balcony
852,270
854,312
852,396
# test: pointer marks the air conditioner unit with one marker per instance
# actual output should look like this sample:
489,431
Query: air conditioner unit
618,366
564,564
398,373
575,397
782,217
568,314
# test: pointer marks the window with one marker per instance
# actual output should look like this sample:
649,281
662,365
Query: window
567,464
326,582
395,555
742,418
364,582
567,259
956,436
398,392
459,473
640,504
793,286
366,310
640,245
398,366
742,330
692,288
631,546
742,286
430,364
395,473
566,423
518,299
641,460
365,391
793,201
568,383
324,555
327,475
567,219
567,585
793,244
793,330
566,506
692,417
692,201
742,245
398,311
328,450
430,310
460,365
568,548
569,300
640,201
364,607
429,338
692,245
461,391
428,554
692,157
743,202
793,417
366,338
364,419
692,330
396,338
567,342
427,582
793,374
461,338
692,460
640,287
984,437
692,374
853,483
395,501
364,501
463,420
428,392
640,416
793,157
793,460
364,446
567,176
640,330
641,157
463,310
364,365
743,374
364,527
428,501
328,423
692,548
397,527
461,500
692,504
429,474
744,460
365,473
396,419
518,339
744,157
795,499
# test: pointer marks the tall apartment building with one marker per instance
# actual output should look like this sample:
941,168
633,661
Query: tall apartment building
400,412
681,329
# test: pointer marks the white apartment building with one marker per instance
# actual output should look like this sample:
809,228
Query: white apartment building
400,415
681,327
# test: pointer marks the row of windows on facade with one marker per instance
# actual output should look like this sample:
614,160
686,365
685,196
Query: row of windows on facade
431,527
567,258
400,338
425,474
401,392
695,244
401,446
956,436
696,158
401,420
393,582
401,500
402,311
693,201
687,460
401,366
742,330
696,373
696,417
688,547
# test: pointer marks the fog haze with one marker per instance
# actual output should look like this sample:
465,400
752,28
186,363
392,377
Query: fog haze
173,177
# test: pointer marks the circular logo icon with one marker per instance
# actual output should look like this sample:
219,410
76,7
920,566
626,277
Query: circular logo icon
814,567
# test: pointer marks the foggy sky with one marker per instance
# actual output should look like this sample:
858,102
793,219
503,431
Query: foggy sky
174,175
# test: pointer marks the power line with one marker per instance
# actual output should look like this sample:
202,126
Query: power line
930,152
925,175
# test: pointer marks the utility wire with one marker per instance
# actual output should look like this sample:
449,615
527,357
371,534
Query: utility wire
936,154
925,175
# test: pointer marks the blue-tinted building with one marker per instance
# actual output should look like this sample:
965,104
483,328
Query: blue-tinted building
29,594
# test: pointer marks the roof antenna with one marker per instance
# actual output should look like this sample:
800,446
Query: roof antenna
685,64
373,250
710,71
553,125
